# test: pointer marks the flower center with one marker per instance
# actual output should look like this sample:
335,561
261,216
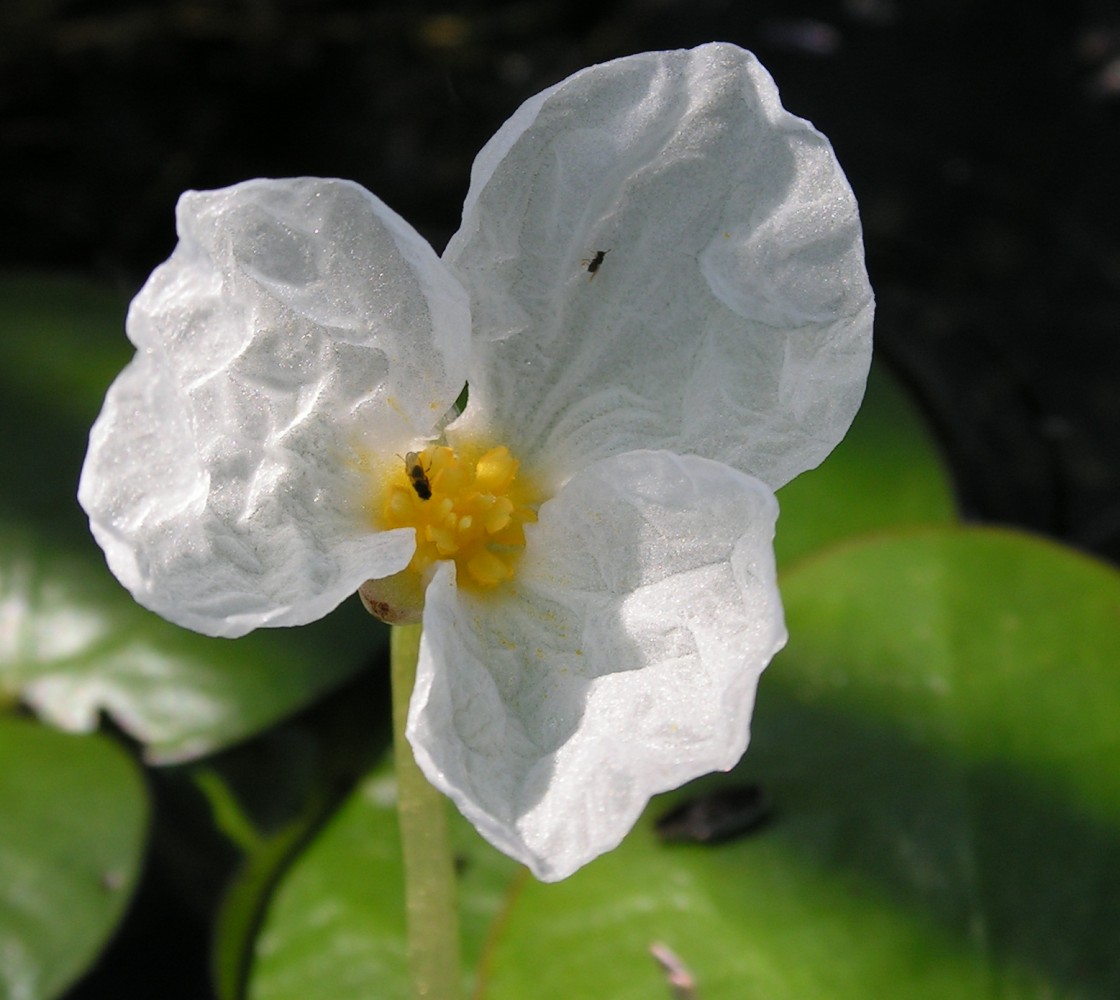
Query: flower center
470,509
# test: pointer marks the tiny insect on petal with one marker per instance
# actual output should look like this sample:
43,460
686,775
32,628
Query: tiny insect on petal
418,475
592,264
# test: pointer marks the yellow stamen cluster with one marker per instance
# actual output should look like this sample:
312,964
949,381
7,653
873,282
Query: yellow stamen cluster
470,509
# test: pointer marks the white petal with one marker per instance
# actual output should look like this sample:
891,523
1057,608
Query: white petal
623,662
298,325
731,316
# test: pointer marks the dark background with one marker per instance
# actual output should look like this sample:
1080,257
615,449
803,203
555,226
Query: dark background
982,139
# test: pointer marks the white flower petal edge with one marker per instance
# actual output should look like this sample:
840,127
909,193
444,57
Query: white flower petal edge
297,323
623,661
731,315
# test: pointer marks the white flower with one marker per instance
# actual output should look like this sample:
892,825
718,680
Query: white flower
659,301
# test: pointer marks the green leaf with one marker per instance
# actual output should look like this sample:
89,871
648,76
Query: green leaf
940,744
335,928
270,796
76,644
887,472
73,811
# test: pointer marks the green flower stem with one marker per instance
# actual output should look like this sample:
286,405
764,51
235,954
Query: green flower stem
429,872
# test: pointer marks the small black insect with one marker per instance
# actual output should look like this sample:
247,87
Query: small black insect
418,476
594,263
715,817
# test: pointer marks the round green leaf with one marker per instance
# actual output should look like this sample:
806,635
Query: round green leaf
886,472
940,743
73,811
75,644
269,796
336,930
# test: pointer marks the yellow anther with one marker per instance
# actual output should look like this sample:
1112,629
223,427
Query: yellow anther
498,516
474,512
488,569
495,470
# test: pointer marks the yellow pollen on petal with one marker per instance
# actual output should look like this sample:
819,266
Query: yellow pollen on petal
471,508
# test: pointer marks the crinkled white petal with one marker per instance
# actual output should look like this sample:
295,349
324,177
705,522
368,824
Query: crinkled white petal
731,314
299,326
621,662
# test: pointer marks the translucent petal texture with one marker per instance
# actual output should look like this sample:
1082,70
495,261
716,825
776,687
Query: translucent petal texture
730,312
622,662
298,325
